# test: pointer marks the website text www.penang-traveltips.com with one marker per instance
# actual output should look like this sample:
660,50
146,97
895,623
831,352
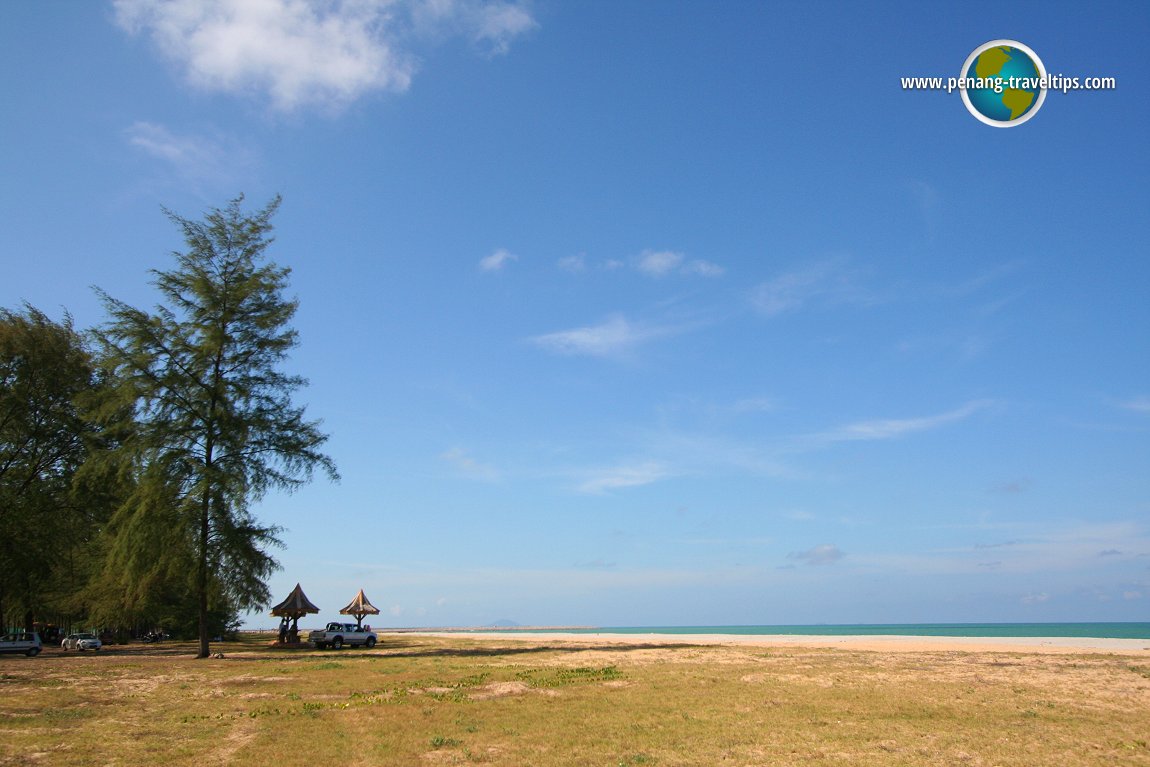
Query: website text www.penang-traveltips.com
999,84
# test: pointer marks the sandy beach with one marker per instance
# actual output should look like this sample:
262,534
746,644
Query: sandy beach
890,643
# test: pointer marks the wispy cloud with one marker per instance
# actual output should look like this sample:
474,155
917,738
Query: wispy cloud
196,158
497,260
709,454
755,405
1041,550
657,264
703,268
826,283
299,53
614,337
467,466
596,564
628,475
893,428
928,202
826,554
491,25
574,264
1012,487
1003,544
1137,405
989,276
661,263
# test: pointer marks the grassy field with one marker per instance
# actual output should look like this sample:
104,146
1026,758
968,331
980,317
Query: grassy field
416,701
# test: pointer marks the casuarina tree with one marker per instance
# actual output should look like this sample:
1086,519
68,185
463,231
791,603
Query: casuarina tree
45,371
213,425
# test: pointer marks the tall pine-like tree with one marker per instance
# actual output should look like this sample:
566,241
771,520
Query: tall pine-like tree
214,426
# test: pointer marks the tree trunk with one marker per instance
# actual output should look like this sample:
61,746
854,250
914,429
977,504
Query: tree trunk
202,578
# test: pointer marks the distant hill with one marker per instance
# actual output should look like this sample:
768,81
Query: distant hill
504,624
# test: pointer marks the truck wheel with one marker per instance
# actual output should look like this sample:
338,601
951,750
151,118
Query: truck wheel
370,643
337,643
33,652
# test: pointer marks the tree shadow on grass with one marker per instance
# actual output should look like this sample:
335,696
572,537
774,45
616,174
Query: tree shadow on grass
388,648
490,650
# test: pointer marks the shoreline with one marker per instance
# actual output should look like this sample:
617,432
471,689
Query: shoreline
878,643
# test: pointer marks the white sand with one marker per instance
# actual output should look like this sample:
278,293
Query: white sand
882,643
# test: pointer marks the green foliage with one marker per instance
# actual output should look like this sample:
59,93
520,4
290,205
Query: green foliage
212,424
560,677
45,372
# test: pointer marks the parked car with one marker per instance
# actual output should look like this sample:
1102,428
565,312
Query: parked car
336,635
27,642
81,642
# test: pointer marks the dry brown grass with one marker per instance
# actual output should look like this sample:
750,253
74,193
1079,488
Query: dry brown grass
431,701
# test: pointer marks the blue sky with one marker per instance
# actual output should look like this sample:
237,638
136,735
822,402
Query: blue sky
642,313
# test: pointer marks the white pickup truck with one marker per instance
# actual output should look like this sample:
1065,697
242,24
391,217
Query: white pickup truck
336,635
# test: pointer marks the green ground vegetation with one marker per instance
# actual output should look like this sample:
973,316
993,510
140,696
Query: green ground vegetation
420,700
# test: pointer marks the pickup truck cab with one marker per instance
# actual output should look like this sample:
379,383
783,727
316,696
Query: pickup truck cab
336,635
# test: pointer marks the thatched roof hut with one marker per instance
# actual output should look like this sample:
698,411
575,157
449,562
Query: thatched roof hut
295,606
292,609
359,607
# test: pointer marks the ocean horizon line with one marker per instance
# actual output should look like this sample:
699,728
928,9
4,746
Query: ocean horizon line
1091,629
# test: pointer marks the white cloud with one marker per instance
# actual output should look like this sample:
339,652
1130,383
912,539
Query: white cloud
497,260
659,263
497,24
826,283
1035,599
492,25
611,338
299,53
195,158
825,554
894,427
617,477
468,466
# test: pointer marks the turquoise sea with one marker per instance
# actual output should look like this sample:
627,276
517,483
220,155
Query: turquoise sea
1094,630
